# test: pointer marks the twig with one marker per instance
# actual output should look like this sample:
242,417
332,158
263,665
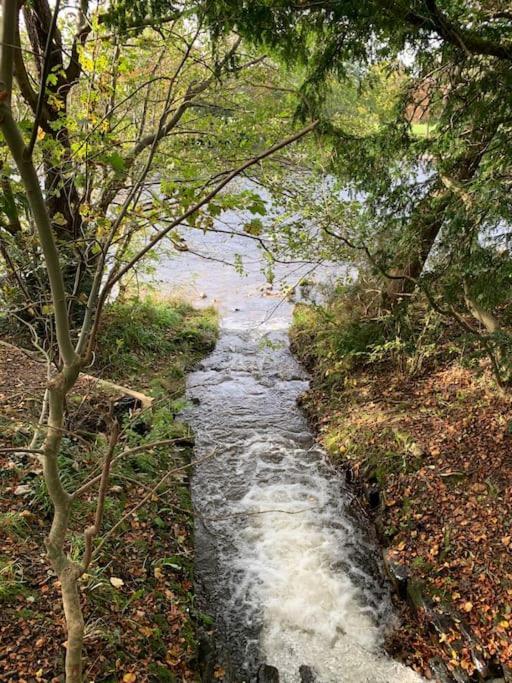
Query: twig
130,451
33,451
92,531
148,496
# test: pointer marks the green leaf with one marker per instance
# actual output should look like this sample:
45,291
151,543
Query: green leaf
59,219
117,162
254,227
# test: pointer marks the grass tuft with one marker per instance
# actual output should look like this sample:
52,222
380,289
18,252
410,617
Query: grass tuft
156,340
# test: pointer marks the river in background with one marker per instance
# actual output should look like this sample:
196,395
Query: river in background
284,566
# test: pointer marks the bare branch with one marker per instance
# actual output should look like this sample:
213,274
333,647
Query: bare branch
147,497
92,531
44,76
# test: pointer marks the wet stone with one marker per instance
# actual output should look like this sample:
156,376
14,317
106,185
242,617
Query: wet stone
268,674
440,671
399,576
306,675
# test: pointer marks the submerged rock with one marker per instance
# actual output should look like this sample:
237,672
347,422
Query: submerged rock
306,675
268,674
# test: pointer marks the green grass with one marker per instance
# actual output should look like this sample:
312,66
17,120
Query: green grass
11,580
332,340
341,336
158,341
14,524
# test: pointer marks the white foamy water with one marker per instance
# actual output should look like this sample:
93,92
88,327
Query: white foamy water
320,607
287,567
284,565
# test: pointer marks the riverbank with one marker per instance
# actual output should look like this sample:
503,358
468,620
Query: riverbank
428,451
138,595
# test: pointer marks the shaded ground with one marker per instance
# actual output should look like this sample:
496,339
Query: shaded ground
137,596
438,450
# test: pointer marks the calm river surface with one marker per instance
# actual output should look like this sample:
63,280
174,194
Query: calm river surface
286,569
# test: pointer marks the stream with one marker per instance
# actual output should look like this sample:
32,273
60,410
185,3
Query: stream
284,565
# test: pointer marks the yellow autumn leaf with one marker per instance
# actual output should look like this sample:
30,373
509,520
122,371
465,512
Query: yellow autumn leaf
129,678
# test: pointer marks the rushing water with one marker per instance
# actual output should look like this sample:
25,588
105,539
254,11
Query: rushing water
286,568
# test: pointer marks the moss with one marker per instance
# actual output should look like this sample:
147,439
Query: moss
415,594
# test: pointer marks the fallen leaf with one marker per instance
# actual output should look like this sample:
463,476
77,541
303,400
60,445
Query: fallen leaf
116,582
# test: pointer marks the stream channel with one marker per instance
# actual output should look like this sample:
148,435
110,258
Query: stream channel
284,566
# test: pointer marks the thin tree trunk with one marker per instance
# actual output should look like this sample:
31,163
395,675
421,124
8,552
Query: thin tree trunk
75,623
67,571
425,227
428,219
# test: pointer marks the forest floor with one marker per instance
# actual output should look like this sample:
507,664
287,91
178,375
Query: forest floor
431,456
137,596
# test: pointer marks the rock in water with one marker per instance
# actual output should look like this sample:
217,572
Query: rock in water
268,674
306,675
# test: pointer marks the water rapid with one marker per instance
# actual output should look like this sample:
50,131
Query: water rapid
285,567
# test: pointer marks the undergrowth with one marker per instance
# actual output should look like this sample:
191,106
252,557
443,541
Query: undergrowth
154,341
345,335
138,597
348,345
